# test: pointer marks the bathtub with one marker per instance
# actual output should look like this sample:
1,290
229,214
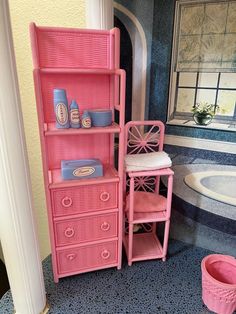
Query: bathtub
200,217
203,190
218,185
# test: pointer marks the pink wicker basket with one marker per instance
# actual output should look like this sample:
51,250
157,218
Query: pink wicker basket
219,283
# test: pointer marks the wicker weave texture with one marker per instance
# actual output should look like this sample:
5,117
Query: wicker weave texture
73,49
87,257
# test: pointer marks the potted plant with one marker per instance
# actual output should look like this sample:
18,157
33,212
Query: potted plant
204,112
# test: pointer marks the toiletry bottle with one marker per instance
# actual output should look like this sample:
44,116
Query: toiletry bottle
74,115
61,108
86,120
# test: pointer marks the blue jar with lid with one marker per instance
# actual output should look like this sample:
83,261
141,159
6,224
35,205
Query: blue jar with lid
61,108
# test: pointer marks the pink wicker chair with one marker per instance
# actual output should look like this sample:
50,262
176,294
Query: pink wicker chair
144,206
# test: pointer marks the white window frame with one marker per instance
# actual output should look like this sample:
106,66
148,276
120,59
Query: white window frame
220,122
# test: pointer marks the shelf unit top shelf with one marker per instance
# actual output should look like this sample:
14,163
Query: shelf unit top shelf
51,130
79,71
56,181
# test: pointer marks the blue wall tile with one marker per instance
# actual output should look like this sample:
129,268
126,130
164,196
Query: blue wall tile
161,58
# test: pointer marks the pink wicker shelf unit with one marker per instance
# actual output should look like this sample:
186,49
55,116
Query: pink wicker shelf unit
85,216
144,204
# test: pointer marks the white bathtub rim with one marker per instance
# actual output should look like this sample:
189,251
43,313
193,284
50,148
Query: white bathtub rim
193,180
198,200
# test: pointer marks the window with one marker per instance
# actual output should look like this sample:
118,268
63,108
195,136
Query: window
204,62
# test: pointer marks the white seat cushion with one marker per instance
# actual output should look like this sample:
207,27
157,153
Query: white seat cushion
148,161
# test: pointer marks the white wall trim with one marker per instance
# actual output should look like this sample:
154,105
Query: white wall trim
139,75
199,143
172,81
17,225
99,14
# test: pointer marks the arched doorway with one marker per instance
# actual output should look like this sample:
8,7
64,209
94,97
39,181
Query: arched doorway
126,63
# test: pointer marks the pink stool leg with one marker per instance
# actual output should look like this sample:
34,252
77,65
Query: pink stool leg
167,223
166,236
131,225
154,227
130,244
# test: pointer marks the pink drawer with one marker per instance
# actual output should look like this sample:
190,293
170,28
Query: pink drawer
84,199
87,257
79,230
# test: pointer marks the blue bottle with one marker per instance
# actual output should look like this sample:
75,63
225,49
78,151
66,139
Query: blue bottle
61,108
86,120
74,115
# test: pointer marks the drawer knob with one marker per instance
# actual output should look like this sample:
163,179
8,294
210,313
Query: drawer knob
105,254
104,196
69,232
70,257
105,226
66,201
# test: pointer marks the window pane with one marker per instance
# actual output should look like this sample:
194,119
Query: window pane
231,21
211,49
226,102
189,53
207,79
185,99
228,80
206,95
215,18
228,57
192,18
206,36
187,79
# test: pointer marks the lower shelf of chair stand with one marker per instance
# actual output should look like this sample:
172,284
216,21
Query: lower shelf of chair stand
145,246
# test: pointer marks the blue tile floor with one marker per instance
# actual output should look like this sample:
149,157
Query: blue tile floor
146,287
